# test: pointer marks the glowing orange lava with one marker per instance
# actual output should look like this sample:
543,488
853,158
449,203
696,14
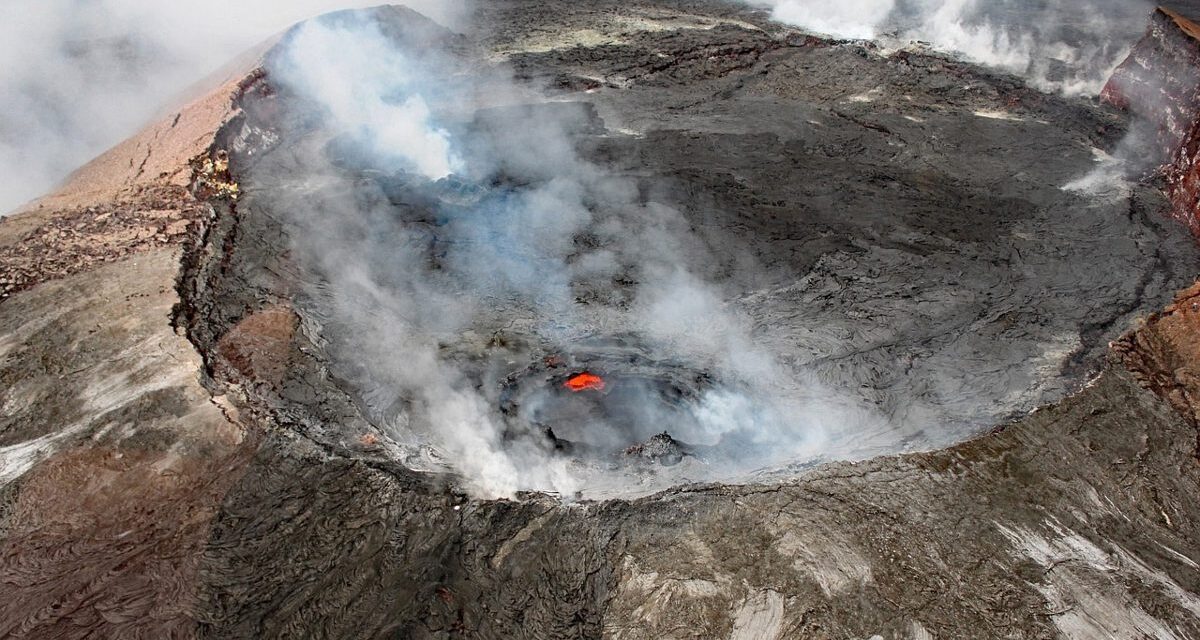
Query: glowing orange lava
585,381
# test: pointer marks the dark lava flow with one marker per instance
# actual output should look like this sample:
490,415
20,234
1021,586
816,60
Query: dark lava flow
891,233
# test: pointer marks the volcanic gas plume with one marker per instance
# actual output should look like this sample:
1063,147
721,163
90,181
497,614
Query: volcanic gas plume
425,225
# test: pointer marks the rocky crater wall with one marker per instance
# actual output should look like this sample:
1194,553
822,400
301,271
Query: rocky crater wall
1160,82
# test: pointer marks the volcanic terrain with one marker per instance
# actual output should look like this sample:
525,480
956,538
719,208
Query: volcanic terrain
612,319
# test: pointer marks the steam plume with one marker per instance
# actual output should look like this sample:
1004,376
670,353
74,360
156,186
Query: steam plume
78,77
400,316
1070,50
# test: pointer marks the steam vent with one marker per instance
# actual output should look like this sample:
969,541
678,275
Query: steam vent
640,319
1160,82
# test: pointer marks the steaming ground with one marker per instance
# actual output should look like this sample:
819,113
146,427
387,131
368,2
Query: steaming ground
77,80
1063,47
867,254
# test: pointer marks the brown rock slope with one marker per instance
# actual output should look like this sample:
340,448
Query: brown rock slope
113,457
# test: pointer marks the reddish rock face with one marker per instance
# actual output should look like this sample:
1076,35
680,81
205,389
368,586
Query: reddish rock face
1160,81
257,348
1164,353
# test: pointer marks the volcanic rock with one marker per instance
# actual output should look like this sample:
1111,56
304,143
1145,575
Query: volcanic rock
186,452
659,448
1160,81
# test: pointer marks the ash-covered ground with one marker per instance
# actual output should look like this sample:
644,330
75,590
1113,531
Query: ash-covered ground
827,251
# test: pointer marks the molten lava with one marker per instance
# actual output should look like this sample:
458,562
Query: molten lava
585,381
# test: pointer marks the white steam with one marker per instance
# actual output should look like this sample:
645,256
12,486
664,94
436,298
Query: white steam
78,77
348,86
1070,50
409,334
858,19
1150,90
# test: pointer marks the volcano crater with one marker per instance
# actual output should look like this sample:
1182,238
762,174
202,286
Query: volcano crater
846,278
